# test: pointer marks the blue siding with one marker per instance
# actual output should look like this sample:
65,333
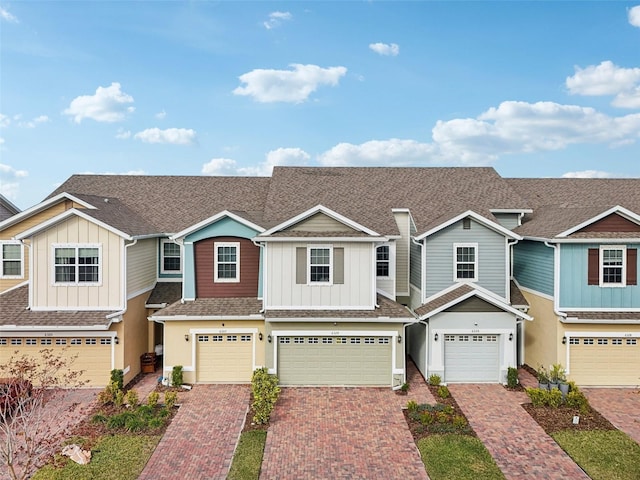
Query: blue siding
533,266
225,227
574,291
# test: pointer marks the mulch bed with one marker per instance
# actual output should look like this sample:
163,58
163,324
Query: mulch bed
249,424
558,419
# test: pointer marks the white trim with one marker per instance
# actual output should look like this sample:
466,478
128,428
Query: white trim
321,307
163,242
479,218
475,262
65,215
322,239
623,212
309,265
535,292
194,332
388,260
341,319
182,318
576,320
139,292
213,219
58,334
218,245
76,282
2,259
600,334
511,210
623,267
577,309
319,209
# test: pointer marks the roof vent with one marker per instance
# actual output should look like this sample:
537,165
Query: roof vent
106,200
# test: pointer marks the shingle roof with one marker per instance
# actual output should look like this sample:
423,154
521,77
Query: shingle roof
13,312
561,203
387,309
215,307
444,299
605,316
165,292
517,298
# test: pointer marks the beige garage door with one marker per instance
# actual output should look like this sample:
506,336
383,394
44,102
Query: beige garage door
334,360
606,361
224,358
93,354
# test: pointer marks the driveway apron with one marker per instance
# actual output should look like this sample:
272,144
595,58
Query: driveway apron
340,432
621,406
520,447
200,441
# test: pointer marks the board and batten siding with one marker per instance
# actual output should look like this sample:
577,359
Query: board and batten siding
492,260
141,266
402,252
533,266
75,230
283,291
576,293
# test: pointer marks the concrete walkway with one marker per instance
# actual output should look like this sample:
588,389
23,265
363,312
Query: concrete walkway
200,441
621,406
520,447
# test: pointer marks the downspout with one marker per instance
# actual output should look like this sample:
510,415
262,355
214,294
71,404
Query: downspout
262,246
423,269
30,273
181,243
556,279
510,245
123,310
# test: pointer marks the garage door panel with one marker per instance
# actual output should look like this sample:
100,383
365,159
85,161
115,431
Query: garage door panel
471,358
334,361
604,361
224,358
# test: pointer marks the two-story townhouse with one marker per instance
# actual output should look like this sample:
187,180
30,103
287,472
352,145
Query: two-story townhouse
577,267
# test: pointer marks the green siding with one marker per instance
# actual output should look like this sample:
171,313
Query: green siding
533,266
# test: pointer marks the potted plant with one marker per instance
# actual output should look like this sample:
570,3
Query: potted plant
543,378
556,375
561,375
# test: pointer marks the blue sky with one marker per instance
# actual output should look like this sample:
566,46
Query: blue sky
534,89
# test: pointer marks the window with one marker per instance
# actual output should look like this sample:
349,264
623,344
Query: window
63,341
382,261
105,341
616,341
76,341
631,341
327,340
45,341
587,341
298,339
320,265
77,264
603,341
383,341
355,340
216,338
232,338
285,340
574,341
313,340
612,266
466,261
203,338
30,341
227,262
11,256
245,338
3,341
16,341
369,340
89,341
170,260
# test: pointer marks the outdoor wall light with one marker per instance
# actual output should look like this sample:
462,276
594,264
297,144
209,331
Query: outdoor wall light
116,340
399,338
564,340
186,338
260,336
511,337
435,337
269,338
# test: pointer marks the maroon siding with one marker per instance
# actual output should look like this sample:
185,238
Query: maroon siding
612,223
204,264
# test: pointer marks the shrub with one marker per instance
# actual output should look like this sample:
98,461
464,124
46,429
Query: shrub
459,421
448,409
412,405
542,374
108,395
131,398
443,391
538,396
118,399
442,417
427,418
170,399
265,391
557,373
99,418
117,377
554,398
176,376
434,380
576,399
404,387
512,377
152,399
119,420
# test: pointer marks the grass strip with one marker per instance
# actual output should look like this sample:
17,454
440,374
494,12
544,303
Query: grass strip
603,454
248,456
457,457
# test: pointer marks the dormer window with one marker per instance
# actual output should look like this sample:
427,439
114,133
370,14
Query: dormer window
227,262
11,260
76,264
382,261
171,258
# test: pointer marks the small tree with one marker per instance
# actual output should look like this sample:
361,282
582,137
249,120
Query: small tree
31,428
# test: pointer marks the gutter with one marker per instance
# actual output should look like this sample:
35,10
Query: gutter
121,312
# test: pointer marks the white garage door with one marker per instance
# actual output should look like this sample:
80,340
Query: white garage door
334,360
471,358
604,361
224,358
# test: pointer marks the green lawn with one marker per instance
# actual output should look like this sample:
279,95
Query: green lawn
114,457
603,454
248,457
457,457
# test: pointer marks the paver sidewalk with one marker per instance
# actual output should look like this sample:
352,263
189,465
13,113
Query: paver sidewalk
621,406
520,447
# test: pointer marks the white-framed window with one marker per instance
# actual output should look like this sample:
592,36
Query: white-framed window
298,339
245,338
631,341
90,341
31,341
232,338
313,339
203,338
11,265
327,340
616,341
383,340
465,261
45,341
227,262
16,341
216,338
354,340
603,341
63,341
170,257
76,341
3,341
320,264
613,264
382,261
76,264
574,341
587,341
285,340
105,341
369,340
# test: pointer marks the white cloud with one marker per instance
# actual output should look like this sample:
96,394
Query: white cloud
634,16
161,115
8,171
34,122
393,152
276,18
391,49
123,134
607,79
590,174
219,166
109,104
175,136
293,86
278,157
7,16
10,180
4,120
130,172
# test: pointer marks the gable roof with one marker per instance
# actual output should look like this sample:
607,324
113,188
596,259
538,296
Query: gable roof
7,209
478,218
561,204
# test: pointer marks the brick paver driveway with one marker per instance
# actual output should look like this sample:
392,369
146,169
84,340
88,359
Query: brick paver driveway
201,439
332,433
520,447
621,406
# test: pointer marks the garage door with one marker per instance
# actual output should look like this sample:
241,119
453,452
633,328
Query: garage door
604,361
471,358
334,360
93,354
224,358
